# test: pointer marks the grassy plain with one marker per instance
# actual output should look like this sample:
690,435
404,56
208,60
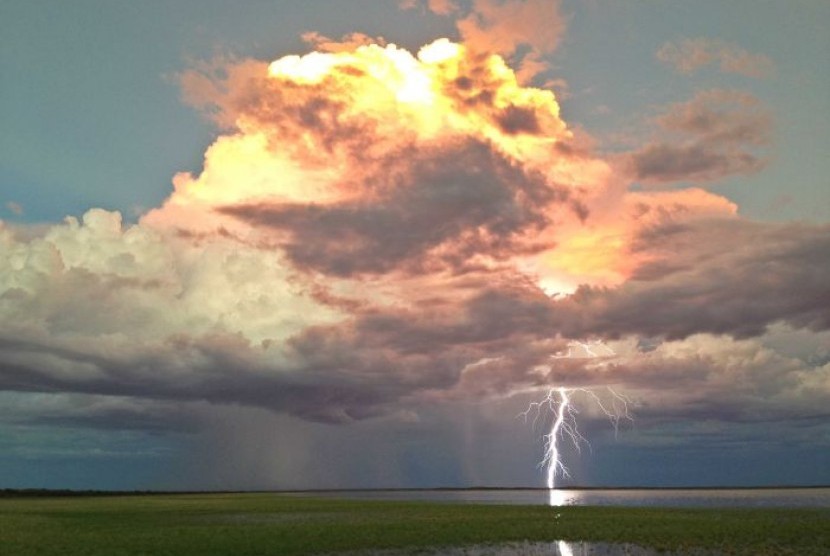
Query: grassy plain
270,524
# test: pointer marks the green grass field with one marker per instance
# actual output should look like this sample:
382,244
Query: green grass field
269,524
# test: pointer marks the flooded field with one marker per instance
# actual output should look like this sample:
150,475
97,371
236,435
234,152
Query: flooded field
681,498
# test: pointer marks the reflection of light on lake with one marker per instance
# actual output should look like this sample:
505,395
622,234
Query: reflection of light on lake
564,548
559,497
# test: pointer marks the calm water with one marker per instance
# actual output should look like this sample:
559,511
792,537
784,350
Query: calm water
747,498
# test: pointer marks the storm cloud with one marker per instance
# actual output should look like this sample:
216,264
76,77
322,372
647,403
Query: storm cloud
374,233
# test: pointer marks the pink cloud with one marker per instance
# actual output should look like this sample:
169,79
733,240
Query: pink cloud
689,55
717,133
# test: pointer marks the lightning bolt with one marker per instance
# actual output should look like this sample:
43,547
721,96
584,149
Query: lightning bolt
559,402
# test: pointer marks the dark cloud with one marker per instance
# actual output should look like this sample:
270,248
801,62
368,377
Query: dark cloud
714,135
484,333
514,120
107,413
694,162
721,276
443,206
218,369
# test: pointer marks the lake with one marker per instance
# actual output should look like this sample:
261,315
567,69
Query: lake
719,497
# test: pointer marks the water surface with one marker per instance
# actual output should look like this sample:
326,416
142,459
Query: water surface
685,498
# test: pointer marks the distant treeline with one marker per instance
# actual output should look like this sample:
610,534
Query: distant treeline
46,492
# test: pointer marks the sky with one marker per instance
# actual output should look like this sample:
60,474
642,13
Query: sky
270,244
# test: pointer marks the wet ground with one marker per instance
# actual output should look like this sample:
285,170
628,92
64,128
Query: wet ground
556,548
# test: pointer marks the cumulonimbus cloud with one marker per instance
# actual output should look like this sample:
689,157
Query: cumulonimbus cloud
375,229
